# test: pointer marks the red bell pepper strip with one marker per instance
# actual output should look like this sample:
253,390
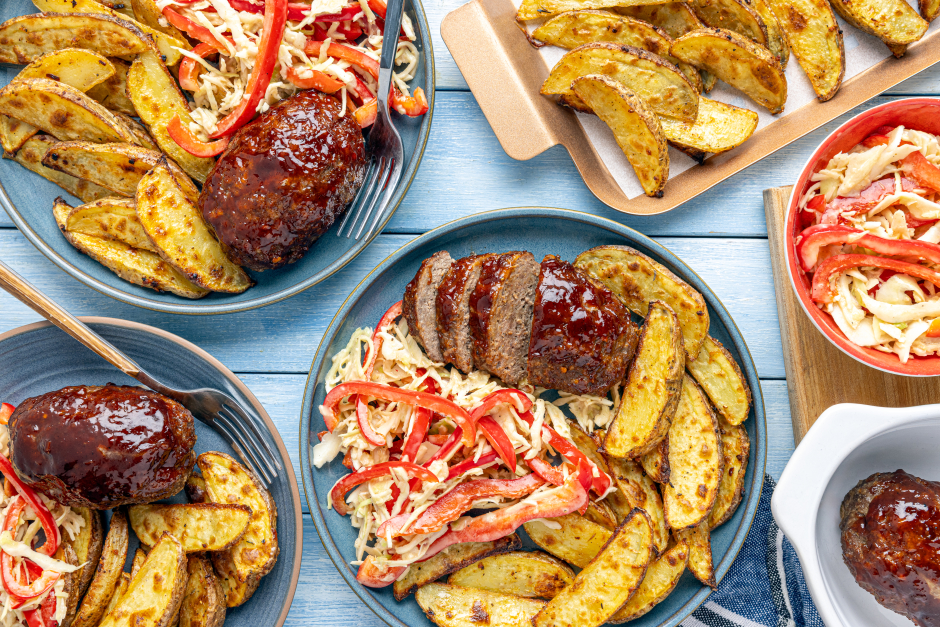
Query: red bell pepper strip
365,427
51,545
6,410
296,11
362,407
421,421
42,616
867,199
272,32
601,483
452,505
546,471
379,7
345,53
518,399
186,140
498,439
469,464
22,592
449,446
375,576
350,30
365,114
913,223
350,481
828,268
915,164
934,329
346,14
190,68
194,30
821,235
412,106
314,79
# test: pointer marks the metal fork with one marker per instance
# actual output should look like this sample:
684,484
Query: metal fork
212,407
384,146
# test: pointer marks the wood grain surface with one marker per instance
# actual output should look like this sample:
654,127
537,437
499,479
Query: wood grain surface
819,375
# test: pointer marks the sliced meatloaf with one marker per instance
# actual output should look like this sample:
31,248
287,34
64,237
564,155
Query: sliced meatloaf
501,314
419,305
582,335
453,310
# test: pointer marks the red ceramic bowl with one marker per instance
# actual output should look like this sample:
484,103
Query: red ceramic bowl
922,114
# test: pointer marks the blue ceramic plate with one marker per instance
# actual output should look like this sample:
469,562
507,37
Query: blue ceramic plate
540,231
27,198
40,358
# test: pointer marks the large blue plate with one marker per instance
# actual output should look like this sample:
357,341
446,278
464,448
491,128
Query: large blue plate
540,231
28,198
40,358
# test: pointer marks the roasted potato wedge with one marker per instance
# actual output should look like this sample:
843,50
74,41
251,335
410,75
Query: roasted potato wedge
112,93
453,606
451,559
641,493
14,133
157,99
656,462
118,167
674,18
651,390
109,570
140,556
87,545
70,588
634,125
196,488
530,574
638,280
716,371
929,9
572,538
733,15
815,38
82,69
695,460
615,501
154,595
30,157
776,40
177,229
661,578
700,553
894,22
255,553
137,129
735,449
656,81
119,589
110,218
198,526
147,12
738,61
718,128
607,582
600,513
535,9
203,599
26,38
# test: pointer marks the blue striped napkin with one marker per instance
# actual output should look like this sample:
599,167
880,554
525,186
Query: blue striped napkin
765,586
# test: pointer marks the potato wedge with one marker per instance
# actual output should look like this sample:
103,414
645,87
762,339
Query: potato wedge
166,44
14,133
641,493
70,588
674,18
815,38
656,462
607,582
255,553
82,69
177,229
695,460
735,449
738,61
113,92
30,157
718,128
638,280
530,574
147,12
110,218
157,99
535,9
119,589
599,512
449,560
929,9
572,538
203,599
716,371
109,570
615,501
733,15
139,558
196,488
576,28
116,166
453,606
776,40
26,38
87,545
661,578
634,125
651,390
659,83
700,553
154,595
894,22
198,526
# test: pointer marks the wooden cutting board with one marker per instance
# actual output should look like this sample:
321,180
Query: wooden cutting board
819,375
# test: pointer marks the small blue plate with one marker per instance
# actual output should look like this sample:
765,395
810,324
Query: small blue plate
541,231
40,358
27,198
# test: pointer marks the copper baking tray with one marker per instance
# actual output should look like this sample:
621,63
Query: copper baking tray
504,73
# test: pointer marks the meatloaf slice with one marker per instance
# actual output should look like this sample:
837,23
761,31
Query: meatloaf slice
419,306
453,310
582,335
501,314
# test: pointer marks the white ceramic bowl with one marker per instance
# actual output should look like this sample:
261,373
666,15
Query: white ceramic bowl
847,444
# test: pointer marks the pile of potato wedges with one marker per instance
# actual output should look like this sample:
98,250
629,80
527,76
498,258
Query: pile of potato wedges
195,559
642,66
677,452
90,112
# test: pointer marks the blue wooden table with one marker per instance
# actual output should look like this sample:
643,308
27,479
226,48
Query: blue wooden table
721,234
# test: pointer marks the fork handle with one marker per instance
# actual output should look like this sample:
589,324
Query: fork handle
45,307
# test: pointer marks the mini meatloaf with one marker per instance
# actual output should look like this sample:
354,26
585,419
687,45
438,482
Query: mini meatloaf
501,315
103,446
419,305
453,310
582,336
284,179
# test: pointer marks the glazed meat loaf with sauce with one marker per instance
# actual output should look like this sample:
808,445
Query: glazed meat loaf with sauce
453,310
103,446
419,305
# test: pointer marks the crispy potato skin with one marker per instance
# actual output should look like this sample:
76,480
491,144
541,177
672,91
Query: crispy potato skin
735,448
599,512
198,526
675,18
115,166
139,558
26,38
815,38
656,462
520,573
110,218
577,542
641,493
700,553
718,128
109,570
30,156
453,606
719,375
72,584
661,578
203,600
82,69
734,15
87,545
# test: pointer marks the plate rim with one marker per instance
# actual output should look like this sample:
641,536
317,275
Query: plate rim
241,387
752,498
195,308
